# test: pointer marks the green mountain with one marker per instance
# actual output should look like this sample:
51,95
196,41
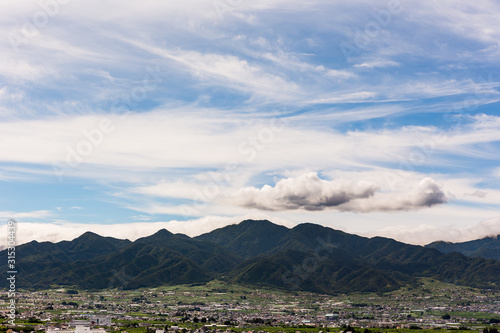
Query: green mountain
87,246
208,255
393,262
247,239
488,247
307,257
297,270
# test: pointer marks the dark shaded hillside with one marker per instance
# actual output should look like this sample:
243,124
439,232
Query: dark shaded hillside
307,257
208,255
296,270
382,254
488,247
247,239
87,246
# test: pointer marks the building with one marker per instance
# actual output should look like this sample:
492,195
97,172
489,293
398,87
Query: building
100,320
78,329
75,323
332,316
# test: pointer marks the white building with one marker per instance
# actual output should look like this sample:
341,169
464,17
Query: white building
78,329
75,322
100,320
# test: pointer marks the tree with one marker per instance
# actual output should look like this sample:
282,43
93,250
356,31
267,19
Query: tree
446,317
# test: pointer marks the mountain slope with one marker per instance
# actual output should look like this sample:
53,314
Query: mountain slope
209,256
488,247
247,239
307,257
87,246
394,259
296,270
133,266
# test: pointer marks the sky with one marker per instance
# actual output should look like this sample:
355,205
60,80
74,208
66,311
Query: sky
378,118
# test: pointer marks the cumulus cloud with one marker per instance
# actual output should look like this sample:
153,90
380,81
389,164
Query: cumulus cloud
310,192
307,192
426,193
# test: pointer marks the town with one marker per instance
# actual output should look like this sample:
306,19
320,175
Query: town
220,307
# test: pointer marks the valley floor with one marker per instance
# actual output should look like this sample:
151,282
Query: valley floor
220,307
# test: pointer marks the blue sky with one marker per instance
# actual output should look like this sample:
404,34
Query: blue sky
374,117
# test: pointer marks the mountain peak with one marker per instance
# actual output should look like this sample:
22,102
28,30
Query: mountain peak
160,235
248,238
163,232
250,221
90,234
308,228
86,237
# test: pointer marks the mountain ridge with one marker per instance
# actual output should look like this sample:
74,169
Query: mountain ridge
487,247
307,257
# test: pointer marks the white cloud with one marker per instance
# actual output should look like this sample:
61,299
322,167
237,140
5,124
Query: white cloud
141,218
190,138
37,214
426,194
343,74
355,97
309,192
177,189
291,62
20,70
377,64
478,193
228,71
476,23
425,233
160,154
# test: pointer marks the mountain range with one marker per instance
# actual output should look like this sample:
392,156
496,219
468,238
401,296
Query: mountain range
488,247
308,257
